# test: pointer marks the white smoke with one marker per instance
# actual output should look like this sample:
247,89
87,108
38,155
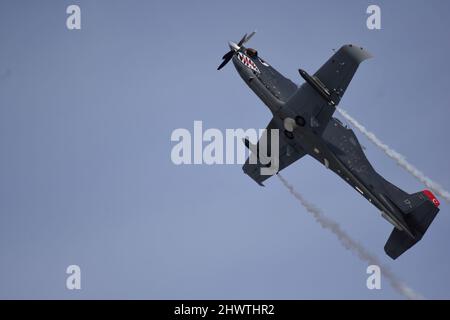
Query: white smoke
401,161
351,244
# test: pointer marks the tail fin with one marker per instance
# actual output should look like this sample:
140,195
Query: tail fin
419,210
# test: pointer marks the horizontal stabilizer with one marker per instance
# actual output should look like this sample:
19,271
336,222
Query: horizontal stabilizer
398,243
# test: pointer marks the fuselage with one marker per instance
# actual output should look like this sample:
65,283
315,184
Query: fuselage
303,119
333,144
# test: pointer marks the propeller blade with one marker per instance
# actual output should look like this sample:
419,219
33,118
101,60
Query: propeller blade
249,37
226,59
231,52
242,41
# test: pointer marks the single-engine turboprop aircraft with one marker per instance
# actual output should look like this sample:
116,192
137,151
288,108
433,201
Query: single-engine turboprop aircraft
304,117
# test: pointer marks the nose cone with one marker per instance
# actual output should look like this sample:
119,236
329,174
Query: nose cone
233,46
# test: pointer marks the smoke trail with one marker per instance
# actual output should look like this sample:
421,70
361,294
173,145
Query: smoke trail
401,161
351,244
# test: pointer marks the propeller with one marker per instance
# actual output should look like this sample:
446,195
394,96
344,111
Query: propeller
234,48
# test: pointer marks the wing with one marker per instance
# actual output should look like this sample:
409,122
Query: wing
288,154
339,70
335,75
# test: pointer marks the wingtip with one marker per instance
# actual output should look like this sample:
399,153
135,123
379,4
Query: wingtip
357,52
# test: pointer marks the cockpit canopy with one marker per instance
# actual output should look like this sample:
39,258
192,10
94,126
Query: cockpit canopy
252,53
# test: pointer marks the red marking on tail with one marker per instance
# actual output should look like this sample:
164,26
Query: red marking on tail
431,196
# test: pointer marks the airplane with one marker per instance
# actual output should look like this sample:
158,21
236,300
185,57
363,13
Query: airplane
304,117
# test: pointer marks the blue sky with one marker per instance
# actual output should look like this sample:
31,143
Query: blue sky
85,171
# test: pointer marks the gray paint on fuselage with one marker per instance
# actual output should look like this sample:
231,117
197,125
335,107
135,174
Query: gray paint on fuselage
339,148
